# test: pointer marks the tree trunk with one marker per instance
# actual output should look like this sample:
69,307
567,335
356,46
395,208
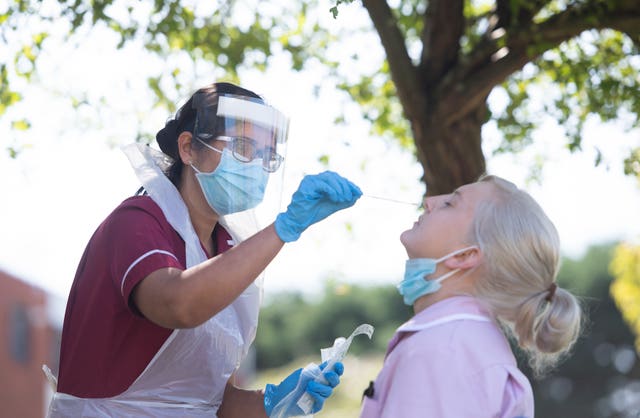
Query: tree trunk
450,155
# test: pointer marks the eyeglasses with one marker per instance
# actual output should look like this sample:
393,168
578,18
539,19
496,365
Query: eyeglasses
246,150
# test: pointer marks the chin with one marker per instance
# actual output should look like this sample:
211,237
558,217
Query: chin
405,237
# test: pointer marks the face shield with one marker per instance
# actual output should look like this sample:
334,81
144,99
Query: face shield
251,137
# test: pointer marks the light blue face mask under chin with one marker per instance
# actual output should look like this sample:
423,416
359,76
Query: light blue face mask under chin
233,186
415,284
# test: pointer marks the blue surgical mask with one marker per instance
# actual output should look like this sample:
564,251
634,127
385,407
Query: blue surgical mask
415,284
233,186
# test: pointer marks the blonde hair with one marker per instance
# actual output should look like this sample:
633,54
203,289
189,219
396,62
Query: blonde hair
521,253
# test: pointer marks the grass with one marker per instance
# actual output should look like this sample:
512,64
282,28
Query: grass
347,398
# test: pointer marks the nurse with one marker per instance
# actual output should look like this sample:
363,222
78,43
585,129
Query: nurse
482,260
164,305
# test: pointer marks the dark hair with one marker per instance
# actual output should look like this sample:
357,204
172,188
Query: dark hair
184,121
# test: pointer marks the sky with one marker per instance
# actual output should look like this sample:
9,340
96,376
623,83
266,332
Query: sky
72,174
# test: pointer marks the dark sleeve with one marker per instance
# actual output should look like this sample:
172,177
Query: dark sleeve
139,241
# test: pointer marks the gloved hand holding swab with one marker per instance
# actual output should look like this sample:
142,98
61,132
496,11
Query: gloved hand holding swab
331,355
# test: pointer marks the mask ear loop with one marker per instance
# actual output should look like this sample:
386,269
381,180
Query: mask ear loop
456,252
446,276
211,147
454,271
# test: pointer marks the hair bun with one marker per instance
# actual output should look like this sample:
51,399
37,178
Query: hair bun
167,138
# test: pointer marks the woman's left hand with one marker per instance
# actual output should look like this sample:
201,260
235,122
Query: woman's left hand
281,401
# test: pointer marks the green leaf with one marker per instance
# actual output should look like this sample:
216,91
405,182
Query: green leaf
21,125
324,159
334,9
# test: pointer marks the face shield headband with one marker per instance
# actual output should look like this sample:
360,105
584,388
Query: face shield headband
248,127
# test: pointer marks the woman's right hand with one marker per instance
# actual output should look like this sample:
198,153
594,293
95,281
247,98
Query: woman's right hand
317,197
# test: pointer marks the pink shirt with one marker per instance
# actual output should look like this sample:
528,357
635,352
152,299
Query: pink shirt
450,360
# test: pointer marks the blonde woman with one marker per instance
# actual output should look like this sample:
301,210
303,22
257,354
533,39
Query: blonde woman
482,263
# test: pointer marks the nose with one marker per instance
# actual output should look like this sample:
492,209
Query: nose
426,204
431,202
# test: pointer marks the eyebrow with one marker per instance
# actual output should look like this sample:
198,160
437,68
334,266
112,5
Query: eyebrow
458,195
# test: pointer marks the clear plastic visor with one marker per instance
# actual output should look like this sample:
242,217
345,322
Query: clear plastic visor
254,133
246,126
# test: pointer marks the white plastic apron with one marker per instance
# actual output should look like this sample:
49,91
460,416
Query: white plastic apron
188,375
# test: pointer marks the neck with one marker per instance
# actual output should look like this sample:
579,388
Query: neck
202,217
461,283
425,301
204,226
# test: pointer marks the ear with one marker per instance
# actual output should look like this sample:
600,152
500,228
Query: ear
185,149
468,259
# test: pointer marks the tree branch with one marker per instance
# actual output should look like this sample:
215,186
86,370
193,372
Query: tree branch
470,86
403,72
443,27
511,14
499,23
634,36
503,13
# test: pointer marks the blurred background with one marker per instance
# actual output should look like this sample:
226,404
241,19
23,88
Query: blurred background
544,93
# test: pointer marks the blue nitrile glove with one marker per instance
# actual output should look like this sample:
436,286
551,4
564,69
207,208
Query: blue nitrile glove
273,394
317,197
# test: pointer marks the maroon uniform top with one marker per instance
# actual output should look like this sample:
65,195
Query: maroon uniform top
106,342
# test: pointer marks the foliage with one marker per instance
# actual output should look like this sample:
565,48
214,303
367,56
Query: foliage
228,35
581,68
293,326
579,57
597,380
594,73
625,289
632,164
